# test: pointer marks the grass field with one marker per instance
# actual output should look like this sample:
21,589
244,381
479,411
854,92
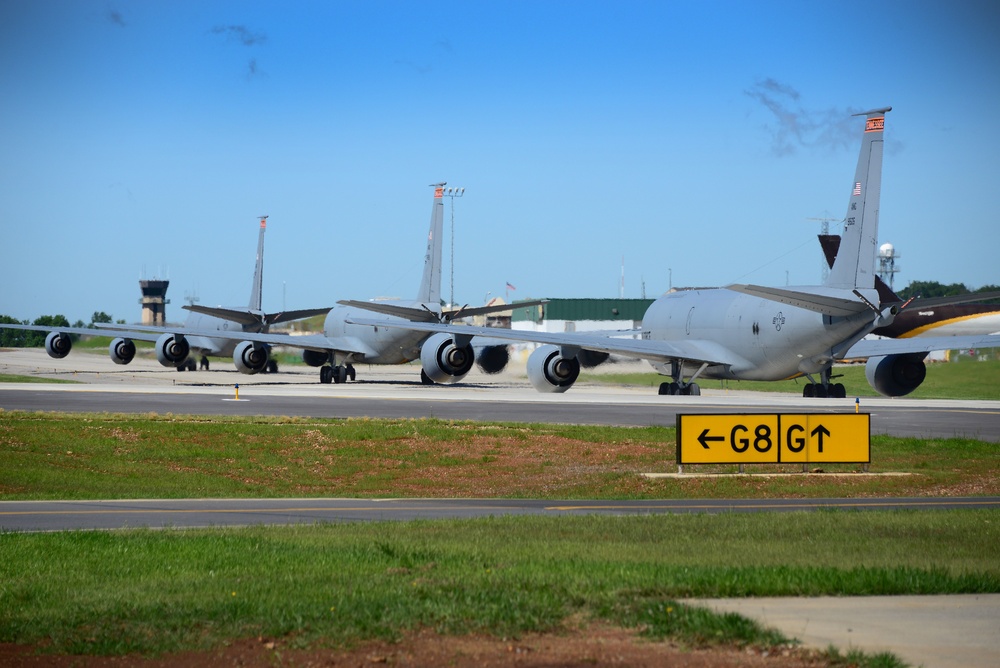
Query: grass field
156,591
338,584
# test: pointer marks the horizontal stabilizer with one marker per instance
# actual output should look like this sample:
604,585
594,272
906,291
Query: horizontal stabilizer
421,314
411,313
825,304
288,316
248,317
237,315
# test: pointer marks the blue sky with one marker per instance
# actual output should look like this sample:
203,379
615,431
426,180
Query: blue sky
693,139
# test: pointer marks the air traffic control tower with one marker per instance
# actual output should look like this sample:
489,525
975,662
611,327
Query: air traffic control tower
154,302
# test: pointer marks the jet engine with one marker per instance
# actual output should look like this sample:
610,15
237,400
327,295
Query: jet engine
315,357
443,361
58,344
122,351
549,371
896,375
172,349
250,357
493,359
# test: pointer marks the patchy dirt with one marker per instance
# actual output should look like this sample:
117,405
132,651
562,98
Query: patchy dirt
595,645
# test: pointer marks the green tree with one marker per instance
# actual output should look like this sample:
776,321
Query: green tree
100,316
932,289
12,338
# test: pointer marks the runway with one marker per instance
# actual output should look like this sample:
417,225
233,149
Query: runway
395,392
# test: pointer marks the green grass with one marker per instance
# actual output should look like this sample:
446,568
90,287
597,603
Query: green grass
101,456
14,378
156,591
160,591
963,378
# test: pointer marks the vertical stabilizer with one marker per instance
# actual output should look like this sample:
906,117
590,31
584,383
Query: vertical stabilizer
430,285
855,264
258,271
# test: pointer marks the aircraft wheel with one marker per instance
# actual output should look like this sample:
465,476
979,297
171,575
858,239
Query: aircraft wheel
838,391
272,366
425,379
664,389
325,374
339,374
822,392
693,390
350,371
809,391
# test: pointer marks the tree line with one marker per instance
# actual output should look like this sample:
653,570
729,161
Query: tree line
22,338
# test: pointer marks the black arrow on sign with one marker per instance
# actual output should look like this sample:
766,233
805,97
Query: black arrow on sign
705,438
821,431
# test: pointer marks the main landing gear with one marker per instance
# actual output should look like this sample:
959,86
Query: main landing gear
336,374
824,388
678,386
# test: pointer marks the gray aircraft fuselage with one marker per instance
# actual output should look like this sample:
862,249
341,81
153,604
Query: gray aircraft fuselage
760,331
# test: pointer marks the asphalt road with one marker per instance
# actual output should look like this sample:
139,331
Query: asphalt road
191,513
395,392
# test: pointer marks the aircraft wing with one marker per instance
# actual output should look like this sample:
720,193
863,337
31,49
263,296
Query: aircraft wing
660,351
919,344
82,331
825,304
319,342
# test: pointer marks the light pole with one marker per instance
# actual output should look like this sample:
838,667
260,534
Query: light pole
453,193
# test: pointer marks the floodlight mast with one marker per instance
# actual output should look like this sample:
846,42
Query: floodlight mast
452,193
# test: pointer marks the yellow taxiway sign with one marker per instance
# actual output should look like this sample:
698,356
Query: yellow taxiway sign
774,438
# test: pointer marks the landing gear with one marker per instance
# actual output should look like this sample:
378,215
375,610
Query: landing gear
824,388
271,367
336,374
678,386
425,379
676,389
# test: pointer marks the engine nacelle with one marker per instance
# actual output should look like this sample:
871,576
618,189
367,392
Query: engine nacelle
250,357
315,357
122,351
58,345
172,349
493,359
896,375
443,361
549,371
591,358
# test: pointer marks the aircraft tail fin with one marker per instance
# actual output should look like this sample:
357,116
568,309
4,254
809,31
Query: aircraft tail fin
430,284
258,272
855,264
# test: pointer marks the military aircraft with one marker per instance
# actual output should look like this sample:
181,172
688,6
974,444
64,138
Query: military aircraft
343,344
750,332
174,344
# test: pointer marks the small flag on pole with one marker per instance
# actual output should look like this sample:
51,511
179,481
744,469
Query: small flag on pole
511,287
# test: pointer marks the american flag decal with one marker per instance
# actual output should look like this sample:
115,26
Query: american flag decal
857,189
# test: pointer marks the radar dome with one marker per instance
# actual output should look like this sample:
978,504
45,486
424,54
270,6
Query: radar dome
886,250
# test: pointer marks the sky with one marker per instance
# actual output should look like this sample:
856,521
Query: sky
605,148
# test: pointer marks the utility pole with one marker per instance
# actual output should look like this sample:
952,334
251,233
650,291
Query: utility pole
453,193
